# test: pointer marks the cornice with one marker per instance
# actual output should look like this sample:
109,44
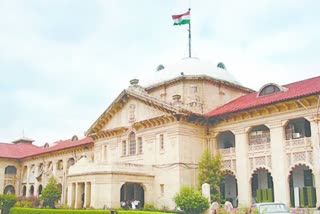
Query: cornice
304,103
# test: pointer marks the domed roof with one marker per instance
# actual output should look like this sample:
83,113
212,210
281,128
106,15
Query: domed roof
192,66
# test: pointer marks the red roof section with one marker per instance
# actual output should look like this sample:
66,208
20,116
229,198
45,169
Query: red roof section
295,90
22,150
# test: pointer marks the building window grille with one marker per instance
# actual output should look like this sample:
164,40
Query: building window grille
161,142
132,144
124,148
140,145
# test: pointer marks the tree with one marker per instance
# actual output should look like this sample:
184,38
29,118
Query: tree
210,172
191,200
51,193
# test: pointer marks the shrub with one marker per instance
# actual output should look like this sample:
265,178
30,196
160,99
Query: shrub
191,201
20,210
31,202
149,206
6,202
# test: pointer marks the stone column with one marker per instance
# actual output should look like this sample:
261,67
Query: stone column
54,168
64,182
243,168
279,162
315,138
76,195
28,184
36,182
2,177
87,195
69,195
93,201
214,144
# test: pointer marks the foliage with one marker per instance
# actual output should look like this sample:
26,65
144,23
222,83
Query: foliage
191,201
31,202
6,202
149,206
210,172
20,210
243,209
51,193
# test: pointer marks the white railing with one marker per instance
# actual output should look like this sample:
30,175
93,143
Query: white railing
228,151
259,147
304,142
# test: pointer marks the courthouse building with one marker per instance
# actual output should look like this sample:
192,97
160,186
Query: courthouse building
148,142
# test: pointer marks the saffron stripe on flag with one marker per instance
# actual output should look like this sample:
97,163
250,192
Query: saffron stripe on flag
179,16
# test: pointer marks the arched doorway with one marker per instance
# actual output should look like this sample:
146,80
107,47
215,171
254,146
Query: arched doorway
24,191
130,192
229,188
40,189
32,190
9,190
302,190
262,186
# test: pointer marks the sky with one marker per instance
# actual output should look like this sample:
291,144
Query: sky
62,63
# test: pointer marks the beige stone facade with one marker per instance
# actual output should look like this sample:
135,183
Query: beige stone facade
147,144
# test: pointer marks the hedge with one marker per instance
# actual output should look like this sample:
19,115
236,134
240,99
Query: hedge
20,210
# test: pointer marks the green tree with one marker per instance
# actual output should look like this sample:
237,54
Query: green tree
51,193
210,172
191,200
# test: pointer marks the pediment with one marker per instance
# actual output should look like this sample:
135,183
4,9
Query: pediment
133,111
129,108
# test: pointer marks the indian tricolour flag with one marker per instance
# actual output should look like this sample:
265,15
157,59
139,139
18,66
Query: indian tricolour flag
181,19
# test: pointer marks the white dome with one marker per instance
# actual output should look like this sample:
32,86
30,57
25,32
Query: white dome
191,66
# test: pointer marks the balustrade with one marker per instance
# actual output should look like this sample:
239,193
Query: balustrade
304,142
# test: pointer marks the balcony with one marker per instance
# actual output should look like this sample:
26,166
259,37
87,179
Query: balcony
259,148
228,153
299,151
299,143
228,158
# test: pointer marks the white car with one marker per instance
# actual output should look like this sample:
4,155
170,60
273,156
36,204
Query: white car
270,207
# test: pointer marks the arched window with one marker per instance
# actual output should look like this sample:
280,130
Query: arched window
269,89
132,144
10,170
70,162
60,165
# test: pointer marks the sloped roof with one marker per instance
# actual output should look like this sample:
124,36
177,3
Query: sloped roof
295,90
22,150
8,150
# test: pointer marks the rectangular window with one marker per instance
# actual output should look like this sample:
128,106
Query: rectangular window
124,148
161,142
132,144
194,89
140,145
105,151
162,189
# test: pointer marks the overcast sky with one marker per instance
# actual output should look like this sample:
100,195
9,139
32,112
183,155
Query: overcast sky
63,62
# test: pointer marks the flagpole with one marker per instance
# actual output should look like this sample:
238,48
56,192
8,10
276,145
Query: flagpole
190,34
